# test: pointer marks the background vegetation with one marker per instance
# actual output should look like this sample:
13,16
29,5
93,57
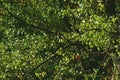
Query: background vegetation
59,39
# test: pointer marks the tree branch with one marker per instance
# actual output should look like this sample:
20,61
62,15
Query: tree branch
49,58
24,21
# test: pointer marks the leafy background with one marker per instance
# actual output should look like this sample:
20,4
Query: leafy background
59,39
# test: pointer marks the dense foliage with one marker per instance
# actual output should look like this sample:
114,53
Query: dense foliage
59,39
